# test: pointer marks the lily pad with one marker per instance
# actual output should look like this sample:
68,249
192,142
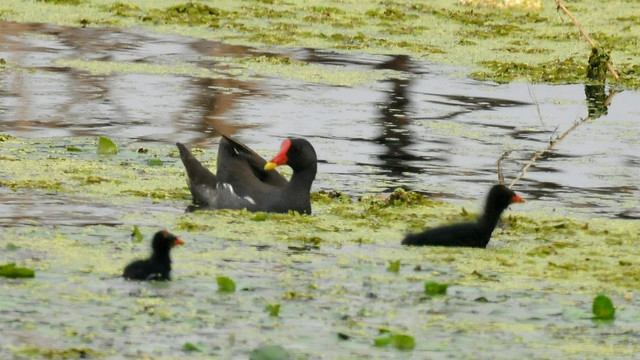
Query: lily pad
403,342
603,308
13,272
226,285
383,340
106,146
136,235
399,341
432,288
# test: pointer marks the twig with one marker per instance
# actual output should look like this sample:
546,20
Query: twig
535,101
586,36
554,142
499,163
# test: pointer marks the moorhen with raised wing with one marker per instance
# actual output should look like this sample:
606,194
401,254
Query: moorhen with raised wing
245,180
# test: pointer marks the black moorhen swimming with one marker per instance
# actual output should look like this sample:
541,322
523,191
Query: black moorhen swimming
246,180
475,234
158,266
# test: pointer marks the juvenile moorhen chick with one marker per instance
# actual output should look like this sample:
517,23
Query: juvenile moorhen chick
245,180
474,234
158,266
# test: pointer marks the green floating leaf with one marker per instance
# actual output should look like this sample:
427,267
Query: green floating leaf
383,340
154,162
106,146
343,336
603,308
136,235
394,266
13,272
73,148
399,341
403,342
190,347
271,352
432,288
273,309
226,285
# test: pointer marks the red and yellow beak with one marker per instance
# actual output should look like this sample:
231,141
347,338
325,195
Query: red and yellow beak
281,157
177,241
516,199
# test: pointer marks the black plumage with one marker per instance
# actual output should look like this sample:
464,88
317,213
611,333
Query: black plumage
472,234
158,266
244,180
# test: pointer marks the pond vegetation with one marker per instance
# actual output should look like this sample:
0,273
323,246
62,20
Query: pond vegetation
518,43
335,283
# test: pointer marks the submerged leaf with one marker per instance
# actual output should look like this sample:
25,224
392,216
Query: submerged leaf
11,247
73,148
394,266
273,309
226,285
106,146
154,162
432,288
190,347
603,308
271,352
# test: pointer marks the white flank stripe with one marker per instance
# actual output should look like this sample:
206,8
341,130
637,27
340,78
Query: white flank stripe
230,188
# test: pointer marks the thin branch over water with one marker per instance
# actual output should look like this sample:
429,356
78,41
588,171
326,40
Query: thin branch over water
552,144
586,36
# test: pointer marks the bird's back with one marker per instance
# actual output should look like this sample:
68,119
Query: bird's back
146,270
462,235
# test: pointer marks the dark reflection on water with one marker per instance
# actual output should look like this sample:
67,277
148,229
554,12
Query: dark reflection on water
394,118
427,129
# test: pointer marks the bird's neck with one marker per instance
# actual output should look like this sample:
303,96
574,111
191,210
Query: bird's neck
303,178
161,258
490,218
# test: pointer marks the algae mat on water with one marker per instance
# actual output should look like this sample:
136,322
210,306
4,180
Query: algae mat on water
502,44
322,286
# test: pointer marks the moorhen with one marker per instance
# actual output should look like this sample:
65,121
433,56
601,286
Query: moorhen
245,180
475,234
158,266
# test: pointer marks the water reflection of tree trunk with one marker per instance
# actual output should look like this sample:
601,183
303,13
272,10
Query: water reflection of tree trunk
83,102
394,119
217,97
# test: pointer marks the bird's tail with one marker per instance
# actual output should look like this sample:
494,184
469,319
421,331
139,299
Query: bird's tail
197,173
